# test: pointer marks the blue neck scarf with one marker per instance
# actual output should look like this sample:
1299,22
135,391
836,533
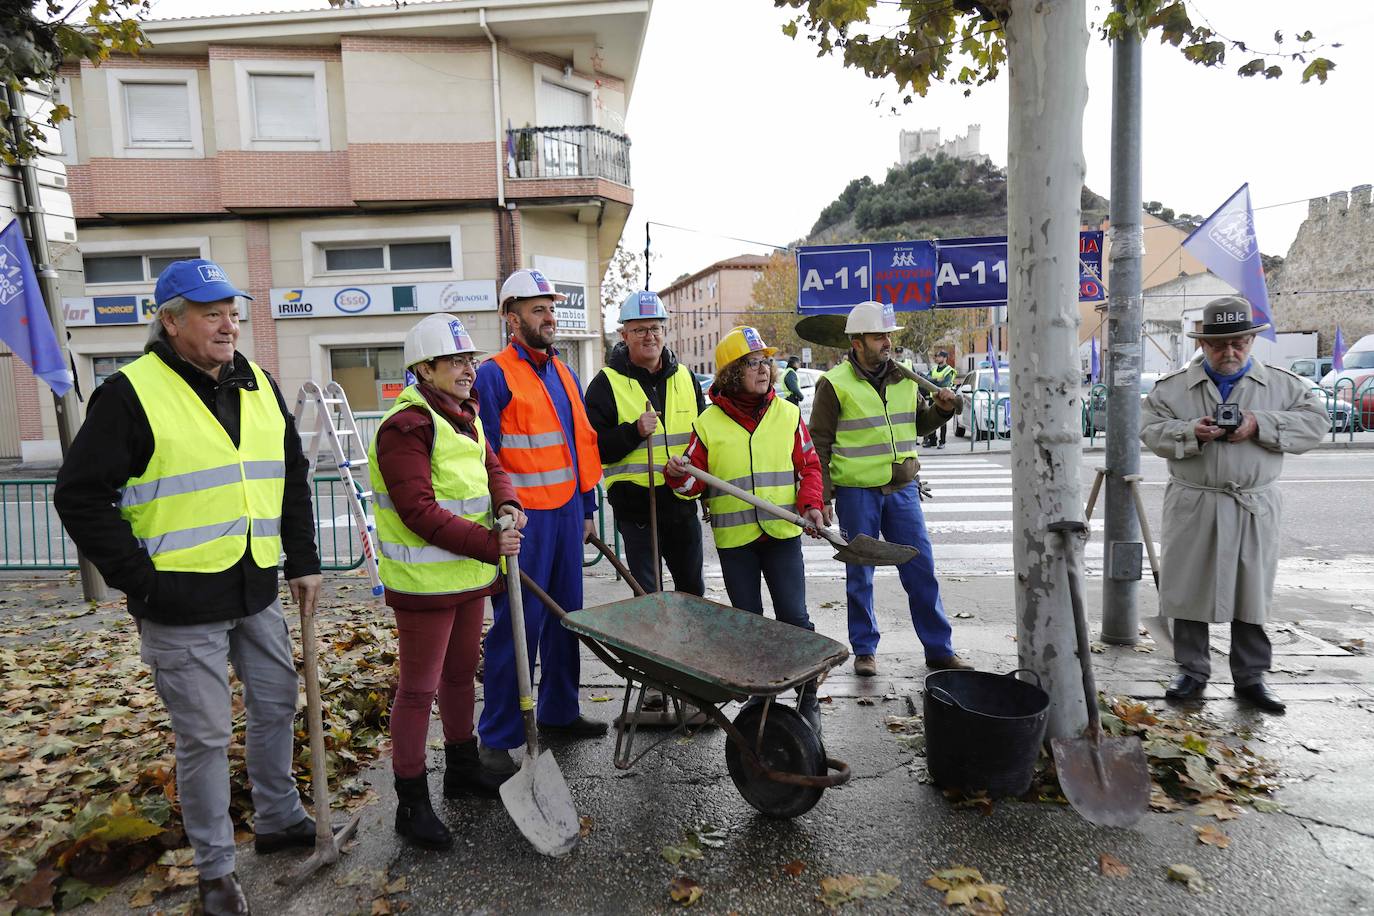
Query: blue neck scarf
1225,383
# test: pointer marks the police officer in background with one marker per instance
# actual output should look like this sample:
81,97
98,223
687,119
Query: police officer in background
184,486
942,374
642,371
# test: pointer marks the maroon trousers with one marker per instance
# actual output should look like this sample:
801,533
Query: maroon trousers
438,655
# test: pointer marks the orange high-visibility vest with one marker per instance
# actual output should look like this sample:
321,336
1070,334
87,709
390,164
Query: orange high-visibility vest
533,449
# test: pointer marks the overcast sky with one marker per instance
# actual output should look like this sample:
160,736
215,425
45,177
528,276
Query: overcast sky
740,131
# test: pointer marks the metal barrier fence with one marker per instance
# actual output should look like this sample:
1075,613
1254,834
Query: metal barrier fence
32,536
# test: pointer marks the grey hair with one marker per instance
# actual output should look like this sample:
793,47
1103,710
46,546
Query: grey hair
175,307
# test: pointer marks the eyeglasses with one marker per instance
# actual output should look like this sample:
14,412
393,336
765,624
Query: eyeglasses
460,361
754,362
1239,344
655,330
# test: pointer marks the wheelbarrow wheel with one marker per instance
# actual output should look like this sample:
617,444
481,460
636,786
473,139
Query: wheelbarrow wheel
789,745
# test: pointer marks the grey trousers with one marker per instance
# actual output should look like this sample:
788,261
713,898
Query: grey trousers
1251,652
189,665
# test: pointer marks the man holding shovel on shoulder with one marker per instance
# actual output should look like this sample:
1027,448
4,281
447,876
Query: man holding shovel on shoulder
184,486
866,421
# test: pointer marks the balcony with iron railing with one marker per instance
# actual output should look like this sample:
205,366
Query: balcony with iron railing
569,152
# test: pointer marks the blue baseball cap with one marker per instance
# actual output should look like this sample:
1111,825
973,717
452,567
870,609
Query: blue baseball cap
198,279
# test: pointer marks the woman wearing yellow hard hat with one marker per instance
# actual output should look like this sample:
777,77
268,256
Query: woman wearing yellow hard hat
758,442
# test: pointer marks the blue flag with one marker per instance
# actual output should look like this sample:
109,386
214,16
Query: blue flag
992,358
1338,352
1226,243
24,322
1096,368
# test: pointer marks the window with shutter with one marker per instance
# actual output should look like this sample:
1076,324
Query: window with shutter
283,106
158,114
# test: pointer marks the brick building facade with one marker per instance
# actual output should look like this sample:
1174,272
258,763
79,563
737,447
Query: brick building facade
706,305
351,169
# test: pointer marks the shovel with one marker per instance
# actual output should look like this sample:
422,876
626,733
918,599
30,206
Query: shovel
862,551
327,843
1107,780
537,796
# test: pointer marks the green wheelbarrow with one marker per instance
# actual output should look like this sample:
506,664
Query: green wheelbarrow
703,656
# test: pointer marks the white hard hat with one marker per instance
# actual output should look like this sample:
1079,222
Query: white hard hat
440,334
871,318
528,284
642,304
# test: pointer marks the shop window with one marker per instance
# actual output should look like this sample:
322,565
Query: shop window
372,377
129,268
102,367
396,256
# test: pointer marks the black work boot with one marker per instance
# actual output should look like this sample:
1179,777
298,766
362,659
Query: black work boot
415,817
465,775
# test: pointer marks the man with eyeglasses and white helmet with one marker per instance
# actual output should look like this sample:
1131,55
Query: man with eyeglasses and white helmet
866,421
642,371
532,413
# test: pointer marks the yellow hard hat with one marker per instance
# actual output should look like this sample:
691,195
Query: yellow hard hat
741,341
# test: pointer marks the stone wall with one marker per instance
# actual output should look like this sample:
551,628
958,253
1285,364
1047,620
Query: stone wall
1333,251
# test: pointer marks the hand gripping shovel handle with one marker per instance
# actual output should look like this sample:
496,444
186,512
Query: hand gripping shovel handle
712,481
522,656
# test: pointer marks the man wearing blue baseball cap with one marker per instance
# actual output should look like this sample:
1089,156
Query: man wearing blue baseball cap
184,486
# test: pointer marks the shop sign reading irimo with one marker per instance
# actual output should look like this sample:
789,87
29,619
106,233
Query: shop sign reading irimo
350,301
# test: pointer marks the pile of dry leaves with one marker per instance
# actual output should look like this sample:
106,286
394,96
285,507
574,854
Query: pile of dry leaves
87,772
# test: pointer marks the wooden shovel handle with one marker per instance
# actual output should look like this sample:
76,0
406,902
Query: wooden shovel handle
712,481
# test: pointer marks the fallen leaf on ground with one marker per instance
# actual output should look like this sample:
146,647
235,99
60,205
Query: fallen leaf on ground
381,907
600,699
1141,647
964,615
584,826
866,701
1112,867
684,890
842,889
794,868
965,886
1187,874
1212,836
1265,805
1218,808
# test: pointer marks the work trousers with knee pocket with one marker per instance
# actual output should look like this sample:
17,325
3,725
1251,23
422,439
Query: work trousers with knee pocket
190,671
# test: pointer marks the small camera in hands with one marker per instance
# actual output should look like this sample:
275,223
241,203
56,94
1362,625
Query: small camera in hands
1227,417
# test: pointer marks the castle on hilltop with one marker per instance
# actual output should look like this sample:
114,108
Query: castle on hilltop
915,144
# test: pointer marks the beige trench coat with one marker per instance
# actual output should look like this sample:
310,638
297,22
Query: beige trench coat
1222,506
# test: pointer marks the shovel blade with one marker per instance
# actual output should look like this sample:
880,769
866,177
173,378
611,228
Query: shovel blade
868,551
1158,628
1107,782
538,800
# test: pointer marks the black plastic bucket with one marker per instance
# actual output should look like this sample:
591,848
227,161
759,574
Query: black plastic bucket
983,730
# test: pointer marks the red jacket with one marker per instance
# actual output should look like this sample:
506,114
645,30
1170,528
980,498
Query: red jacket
404,444
804,460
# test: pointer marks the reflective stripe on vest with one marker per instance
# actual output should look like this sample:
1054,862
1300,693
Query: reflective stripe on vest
870,436
943,375
458,471
760,462
202,502
533,450
674,432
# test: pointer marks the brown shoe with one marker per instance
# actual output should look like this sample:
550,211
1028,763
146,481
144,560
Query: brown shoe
953,663
866,665
223,896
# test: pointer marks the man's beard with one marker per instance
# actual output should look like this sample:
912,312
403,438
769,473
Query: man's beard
531,336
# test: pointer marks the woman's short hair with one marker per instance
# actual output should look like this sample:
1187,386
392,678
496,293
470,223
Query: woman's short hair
730,380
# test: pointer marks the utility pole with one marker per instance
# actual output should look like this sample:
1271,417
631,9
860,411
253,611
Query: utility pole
1047,47
68,413
1121,560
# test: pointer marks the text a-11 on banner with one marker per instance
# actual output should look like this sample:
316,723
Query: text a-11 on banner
914,276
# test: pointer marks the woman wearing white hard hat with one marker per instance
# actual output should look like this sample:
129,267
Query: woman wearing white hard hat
438,488
759,442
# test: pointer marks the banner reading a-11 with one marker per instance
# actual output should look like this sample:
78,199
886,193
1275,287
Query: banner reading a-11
913,276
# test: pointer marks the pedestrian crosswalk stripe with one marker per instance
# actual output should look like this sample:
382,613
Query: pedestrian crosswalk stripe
974,491
943,508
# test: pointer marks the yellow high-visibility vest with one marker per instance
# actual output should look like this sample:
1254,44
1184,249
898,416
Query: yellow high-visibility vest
673,433
870,436
202,502
407,562
760,462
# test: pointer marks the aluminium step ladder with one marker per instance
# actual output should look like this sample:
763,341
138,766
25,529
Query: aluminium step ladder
337,431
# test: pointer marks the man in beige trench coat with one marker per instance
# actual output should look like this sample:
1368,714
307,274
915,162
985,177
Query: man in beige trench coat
1222,504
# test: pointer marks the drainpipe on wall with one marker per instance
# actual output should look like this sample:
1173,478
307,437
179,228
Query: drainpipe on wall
496,110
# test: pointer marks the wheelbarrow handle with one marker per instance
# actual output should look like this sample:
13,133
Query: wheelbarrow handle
712,481
609,554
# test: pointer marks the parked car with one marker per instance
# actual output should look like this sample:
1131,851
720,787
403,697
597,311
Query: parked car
807,379
993,414
704,380
1359,361
1360,387
1311,367
1096,414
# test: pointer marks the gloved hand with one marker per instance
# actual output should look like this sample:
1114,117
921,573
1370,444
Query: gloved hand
923,490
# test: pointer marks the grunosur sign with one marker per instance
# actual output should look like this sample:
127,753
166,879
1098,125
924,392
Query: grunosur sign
380,299
913,276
